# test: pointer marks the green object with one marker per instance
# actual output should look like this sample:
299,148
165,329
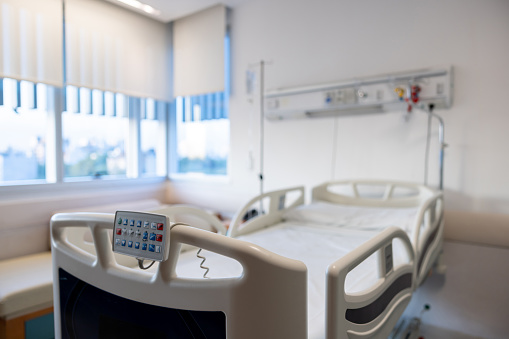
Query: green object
40,328
119,221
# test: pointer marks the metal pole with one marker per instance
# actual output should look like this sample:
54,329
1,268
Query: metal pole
443,145
262,113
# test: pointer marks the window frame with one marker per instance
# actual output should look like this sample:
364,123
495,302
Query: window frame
55,180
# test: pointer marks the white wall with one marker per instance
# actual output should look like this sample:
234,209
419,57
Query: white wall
313,42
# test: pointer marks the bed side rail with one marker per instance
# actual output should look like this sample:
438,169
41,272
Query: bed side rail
427,234
206,219
372,193
272,206
270,285
374,313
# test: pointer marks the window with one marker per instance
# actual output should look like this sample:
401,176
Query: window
153,138
202,134
111,135
95,131
23,127
201,129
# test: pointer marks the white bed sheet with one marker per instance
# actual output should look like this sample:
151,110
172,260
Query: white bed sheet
316,246
354,217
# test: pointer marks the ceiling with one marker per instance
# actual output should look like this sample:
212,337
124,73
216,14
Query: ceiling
174,9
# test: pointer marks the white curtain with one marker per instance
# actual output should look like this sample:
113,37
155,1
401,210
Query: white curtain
31,40
199,47
113,49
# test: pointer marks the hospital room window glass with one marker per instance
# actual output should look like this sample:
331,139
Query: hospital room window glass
95,129
153,138
203,134
23,127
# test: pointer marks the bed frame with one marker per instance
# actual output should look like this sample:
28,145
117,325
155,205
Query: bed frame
428,227
389,299
267,301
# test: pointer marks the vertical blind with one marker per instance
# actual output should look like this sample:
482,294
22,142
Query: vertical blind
113,49
199,47
31,40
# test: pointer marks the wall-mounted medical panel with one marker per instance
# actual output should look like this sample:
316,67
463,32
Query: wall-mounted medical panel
378,94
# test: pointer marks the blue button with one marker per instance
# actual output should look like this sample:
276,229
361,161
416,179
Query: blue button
137,245
143,247
131,223
153,236
123,242
125,221
152,248
130,244
138,223
145,224
145,236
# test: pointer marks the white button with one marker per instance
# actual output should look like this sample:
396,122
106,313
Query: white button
158,249
153,225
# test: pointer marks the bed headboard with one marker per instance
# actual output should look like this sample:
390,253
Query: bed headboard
372,193
270,207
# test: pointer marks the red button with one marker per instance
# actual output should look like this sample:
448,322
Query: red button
119,231
159,237
160,227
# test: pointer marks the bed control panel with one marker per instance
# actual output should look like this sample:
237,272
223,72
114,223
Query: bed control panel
141,235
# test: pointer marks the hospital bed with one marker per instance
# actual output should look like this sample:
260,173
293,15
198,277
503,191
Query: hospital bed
262,293
363,205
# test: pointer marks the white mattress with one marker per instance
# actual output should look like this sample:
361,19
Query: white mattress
354,217
316,246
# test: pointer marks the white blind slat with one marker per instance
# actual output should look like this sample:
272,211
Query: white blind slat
31,40
111,48
198,45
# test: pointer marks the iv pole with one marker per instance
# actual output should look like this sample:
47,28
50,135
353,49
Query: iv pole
261,64
262,127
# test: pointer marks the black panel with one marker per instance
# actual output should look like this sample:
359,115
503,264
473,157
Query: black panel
369,312
89,312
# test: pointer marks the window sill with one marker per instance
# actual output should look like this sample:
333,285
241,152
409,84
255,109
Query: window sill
74,186
199,178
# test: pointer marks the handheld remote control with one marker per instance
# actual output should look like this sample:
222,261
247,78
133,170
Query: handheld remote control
141,235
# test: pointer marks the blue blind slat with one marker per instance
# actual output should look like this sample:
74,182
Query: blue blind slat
18,94
34,86
1,91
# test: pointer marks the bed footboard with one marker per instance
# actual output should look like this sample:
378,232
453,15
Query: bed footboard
428,236
271,207
267,301
374,313
373,193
